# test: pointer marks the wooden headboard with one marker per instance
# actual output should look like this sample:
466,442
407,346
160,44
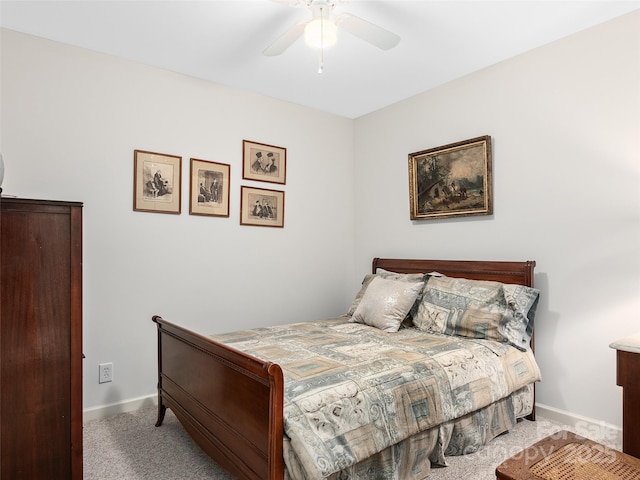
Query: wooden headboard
520,273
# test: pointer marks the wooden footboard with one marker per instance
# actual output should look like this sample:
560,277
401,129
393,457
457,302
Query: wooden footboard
229,402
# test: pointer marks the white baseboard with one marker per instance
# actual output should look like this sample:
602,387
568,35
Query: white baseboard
105,411
596,430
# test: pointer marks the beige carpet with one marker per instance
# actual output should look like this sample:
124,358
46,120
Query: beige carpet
128,447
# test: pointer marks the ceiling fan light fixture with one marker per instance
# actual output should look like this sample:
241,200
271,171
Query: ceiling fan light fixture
320,33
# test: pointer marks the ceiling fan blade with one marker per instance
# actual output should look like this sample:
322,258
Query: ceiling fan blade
284,41
367,31
293,3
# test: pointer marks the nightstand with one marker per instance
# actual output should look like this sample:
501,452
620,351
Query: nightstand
628,377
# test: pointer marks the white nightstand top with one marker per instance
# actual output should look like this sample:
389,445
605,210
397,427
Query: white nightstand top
628,344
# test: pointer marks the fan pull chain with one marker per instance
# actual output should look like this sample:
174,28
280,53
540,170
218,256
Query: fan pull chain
321,52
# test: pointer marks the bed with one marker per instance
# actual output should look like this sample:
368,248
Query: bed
251,401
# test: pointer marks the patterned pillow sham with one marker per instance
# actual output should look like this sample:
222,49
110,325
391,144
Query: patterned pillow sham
386,302
405,277
478,309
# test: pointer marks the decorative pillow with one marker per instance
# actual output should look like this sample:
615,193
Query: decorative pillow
405,277
386,302
356,301
478,309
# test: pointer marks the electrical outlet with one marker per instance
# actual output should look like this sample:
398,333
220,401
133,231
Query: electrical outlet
105,371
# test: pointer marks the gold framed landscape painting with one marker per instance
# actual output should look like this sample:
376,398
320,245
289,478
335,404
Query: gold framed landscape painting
264,163
261,207
156,182
209,188
453,180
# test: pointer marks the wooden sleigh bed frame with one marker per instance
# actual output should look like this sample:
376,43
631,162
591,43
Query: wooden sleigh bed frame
231,403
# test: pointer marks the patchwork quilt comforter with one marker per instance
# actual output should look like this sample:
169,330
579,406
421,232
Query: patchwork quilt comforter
352,390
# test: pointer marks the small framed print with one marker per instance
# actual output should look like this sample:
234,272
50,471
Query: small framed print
156,182
209,188
261,207
453,180
264,163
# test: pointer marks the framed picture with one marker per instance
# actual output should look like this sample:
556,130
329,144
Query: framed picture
264,163
156,182
261,207
451,181
209,188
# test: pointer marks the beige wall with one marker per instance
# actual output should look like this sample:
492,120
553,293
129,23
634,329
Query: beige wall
565,124
71,120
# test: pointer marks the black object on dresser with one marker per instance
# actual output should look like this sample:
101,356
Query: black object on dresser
40,339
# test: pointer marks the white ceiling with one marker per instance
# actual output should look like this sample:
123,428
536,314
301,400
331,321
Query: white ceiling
222,41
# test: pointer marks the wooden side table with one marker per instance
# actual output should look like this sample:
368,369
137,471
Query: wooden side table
628,377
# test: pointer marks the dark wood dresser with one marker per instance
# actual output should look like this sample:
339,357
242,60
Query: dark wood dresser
40,339
628,377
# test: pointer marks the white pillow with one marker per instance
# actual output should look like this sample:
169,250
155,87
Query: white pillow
380,272
386,302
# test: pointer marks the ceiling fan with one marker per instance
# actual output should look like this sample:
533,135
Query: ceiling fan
320,30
